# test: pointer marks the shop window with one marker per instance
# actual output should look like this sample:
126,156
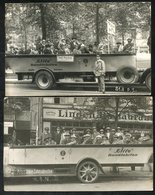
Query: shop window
23,136
57,100
76,124
62,123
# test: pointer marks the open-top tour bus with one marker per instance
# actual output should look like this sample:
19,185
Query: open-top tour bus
48,70
84,161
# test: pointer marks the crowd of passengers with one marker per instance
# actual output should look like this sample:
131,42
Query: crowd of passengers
92,136
73,46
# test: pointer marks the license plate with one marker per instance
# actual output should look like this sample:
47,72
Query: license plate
124,89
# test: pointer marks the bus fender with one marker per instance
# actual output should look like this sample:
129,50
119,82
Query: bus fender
89,159
144,74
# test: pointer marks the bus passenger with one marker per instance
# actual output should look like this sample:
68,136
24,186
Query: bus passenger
76,50
45,134
87,139
98,140
94,133
146,139
119,132
111,136
107,132
129,47
105,140
102,132
117,139
66,139
73,141
57,135
118,48
99,72
49,141
127,139
78,137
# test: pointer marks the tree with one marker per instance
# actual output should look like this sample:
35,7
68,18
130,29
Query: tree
106,109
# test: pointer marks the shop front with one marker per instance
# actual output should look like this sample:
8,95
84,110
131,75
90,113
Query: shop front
74,118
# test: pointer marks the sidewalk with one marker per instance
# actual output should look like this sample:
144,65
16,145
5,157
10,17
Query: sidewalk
146,171
11,78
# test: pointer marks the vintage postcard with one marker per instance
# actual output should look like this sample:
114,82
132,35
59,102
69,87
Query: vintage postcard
66,143
78,48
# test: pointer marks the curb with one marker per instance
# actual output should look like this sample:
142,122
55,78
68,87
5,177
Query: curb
16,81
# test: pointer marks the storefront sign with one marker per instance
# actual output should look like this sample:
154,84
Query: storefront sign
51,113
8,124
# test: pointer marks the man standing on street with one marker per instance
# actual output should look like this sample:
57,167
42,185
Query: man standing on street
99,72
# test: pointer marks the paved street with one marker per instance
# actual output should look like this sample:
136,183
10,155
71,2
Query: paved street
103,184
28,89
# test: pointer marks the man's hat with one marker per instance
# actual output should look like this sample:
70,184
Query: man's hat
98,136
66,134
101,130
128,134
108,128
129,39
87,135
88,130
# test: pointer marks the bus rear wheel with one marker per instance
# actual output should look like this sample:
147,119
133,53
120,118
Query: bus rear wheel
44,80
88,172
127,75
148,81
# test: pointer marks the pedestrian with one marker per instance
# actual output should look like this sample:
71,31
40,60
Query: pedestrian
149,43
99,72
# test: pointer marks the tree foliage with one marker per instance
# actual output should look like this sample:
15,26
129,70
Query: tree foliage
83,19
112,108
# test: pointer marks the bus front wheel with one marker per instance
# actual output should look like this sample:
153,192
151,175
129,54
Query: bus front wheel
44,80
148,81
88,172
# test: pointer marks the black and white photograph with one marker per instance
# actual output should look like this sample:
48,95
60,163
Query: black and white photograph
78,49
78,143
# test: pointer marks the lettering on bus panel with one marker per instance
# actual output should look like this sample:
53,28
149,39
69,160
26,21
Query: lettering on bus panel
43,62
122,152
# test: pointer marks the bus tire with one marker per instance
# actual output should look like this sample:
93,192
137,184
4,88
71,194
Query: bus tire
87,171
44,80
127,75
148,81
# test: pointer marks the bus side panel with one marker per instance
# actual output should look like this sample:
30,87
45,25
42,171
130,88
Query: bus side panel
113,155
72,155
82,63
